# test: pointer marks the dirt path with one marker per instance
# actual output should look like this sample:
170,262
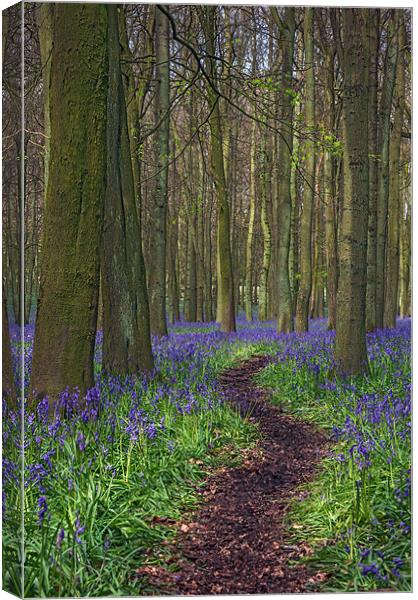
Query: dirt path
237,543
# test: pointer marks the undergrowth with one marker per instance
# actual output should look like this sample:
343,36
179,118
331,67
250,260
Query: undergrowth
356,515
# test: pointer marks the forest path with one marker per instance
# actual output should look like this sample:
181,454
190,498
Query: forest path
237,543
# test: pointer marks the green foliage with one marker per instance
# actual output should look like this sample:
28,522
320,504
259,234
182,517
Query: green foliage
330,143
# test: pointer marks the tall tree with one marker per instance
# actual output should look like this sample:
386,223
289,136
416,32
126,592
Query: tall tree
134,100
385,107
329,52
374,19
284,156
157,274
350,348
305,282
126,334
266,232
67,307
249,260
394,202
226,309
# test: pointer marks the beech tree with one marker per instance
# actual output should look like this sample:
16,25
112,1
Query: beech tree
67,306
350,347
126,333
305,283
157,273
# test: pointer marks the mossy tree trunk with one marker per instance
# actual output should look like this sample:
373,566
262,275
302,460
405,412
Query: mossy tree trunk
350,348
67,307
45,16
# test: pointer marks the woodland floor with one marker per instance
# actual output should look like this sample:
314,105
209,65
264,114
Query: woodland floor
238,542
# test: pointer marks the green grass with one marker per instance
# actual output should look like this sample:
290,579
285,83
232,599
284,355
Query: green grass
119,492
354,516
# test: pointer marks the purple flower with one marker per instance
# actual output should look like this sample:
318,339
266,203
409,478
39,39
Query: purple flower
43,508
60,538
79,530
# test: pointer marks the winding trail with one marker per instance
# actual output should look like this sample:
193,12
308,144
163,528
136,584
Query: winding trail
237,543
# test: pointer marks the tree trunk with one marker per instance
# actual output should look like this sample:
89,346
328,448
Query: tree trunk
123,351
392,254
373,171
350,348
330,196
305,282
383,169
157,274
265,228
190,289
227,309
45,16
67,308
405,266
284,202
250,232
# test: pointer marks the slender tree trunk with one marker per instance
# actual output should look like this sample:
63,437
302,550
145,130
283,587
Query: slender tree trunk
173,288
157,275
330,197
405,263
265,228
392,255
383,169
284,203
209,316
67,307
250,232
305,283
123,351
227,309
190,289
350,348
373,171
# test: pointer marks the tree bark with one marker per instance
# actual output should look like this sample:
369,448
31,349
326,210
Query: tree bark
266,232
374,19
67,307
305,282
250,232
227,309
392,254
157,274
125,350
383,169
285,144
350,348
